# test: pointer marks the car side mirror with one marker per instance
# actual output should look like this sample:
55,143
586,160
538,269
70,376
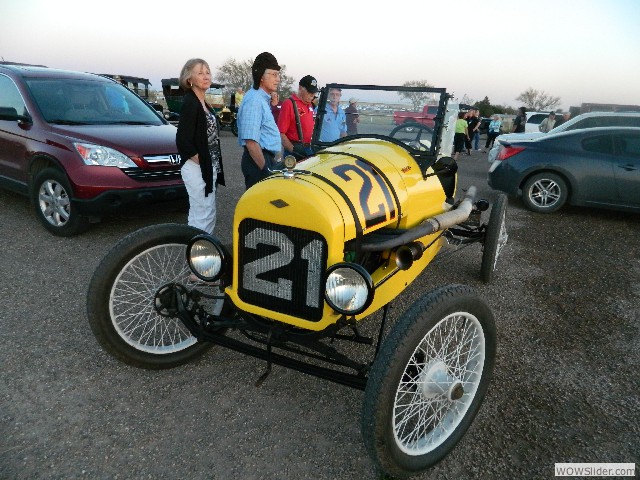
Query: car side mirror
11,114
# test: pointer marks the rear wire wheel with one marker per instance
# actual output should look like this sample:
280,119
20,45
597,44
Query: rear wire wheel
130,295
428,381
495,238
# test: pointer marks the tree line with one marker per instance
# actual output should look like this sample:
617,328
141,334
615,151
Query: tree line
236,73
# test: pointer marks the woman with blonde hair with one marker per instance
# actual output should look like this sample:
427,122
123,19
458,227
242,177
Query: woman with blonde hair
198,143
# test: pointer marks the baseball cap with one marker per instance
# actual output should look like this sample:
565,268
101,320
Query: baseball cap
309,83
353,100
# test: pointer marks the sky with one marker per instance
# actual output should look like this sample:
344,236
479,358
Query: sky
581,51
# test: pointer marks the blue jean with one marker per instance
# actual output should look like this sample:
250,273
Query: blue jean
476,140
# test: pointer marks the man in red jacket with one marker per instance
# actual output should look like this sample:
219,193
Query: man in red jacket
296,126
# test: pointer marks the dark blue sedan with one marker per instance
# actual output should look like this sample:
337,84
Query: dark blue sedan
596,167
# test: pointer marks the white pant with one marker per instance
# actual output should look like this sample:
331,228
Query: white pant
202,210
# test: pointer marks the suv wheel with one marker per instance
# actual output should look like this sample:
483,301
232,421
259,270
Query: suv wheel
51,195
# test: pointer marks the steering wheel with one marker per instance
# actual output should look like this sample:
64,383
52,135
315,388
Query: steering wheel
414,135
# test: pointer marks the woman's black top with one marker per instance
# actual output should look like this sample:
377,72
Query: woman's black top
192,138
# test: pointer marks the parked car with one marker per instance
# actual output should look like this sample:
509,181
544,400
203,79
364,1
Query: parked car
586,120
81,145
597,167
534,119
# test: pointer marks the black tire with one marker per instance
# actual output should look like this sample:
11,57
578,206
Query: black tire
495,238
51,195
234,127
545,192
449,331
122,298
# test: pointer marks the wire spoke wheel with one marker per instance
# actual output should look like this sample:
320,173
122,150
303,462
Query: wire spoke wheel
132,301
136,300
495,238
428,381
438,384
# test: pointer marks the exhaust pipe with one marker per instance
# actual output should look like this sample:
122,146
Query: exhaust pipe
429,226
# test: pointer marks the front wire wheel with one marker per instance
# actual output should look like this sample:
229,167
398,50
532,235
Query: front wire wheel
129,303
495,238
428,380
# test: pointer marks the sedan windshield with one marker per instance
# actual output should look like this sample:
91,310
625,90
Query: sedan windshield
87,102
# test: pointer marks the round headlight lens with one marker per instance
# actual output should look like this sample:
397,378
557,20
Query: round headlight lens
349,288
205,258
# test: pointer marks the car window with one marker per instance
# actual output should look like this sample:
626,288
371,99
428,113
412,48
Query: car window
10,96
598,144
537,118
629,121
584,123
629,145
79,101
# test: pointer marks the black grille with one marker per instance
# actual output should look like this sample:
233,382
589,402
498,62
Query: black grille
172,173
282,268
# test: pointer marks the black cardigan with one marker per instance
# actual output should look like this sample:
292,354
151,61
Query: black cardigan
192,138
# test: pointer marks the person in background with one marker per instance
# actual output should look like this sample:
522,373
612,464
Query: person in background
296,129
461,135
353,118
239,97
493,130
548,123
565,116
520,121
257,130
474,129
198,143
334,121
275,105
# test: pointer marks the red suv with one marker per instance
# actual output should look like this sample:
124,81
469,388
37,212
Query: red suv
82,145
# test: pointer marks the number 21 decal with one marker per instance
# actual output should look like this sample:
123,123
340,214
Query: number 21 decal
365,173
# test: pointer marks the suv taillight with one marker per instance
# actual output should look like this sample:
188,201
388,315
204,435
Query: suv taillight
508,151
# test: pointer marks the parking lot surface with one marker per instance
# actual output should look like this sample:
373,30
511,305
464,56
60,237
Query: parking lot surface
566,299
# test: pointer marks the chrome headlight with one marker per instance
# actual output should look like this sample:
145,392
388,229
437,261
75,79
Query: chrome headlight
206,257
349,288
105,156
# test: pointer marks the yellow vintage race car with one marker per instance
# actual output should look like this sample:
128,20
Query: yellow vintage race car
320,247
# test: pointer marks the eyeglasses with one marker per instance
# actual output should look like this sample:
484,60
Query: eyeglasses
275,74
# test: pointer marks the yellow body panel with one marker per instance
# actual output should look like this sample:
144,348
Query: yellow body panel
366,184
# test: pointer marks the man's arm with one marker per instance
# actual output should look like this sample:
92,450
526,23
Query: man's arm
286,143
256,153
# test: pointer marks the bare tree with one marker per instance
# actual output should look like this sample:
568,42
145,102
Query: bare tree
467,100
233,74
538,100
417,99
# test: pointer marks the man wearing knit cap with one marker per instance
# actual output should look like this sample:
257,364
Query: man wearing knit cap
257,129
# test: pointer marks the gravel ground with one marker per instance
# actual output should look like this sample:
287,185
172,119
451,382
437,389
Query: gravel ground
565,389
